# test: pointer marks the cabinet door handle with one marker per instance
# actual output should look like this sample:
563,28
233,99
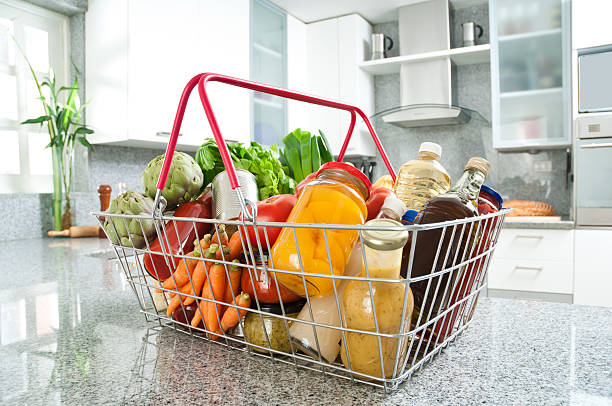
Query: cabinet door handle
597,145
165,134
537,237
529,268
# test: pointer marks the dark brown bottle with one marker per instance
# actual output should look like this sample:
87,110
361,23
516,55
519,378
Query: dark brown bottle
459,202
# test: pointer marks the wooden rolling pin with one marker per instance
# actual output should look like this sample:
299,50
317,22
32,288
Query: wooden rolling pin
76,231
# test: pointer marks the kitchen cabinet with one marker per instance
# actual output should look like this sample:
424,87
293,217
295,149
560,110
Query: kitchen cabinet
137,70
591,23
333,50
533,260
593,268
530,74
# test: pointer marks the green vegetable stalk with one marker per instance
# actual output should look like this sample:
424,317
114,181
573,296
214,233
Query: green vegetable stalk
305,153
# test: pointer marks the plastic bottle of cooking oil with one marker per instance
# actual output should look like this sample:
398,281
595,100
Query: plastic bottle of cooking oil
422,178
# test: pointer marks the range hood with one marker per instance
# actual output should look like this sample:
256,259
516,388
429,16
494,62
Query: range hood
426,88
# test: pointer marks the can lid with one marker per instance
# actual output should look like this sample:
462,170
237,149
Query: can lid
384,240
351,170
409,216
479,163
490,191
393,203
432,148
275,308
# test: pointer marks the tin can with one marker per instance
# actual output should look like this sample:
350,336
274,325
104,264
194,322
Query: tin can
225,199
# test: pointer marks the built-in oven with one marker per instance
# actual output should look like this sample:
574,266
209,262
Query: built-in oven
593,172
595,79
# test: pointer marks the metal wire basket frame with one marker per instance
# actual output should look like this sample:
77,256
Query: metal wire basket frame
459,280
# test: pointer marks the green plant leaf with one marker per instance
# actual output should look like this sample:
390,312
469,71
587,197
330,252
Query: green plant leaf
37,120
84,130
85,143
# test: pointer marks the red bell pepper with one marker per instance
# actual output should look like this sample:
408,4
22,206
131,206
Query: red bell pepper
179,239
273,209
376,200
300,186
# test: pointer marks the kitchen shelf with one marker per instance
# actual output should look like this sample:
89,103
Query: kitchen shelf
267,50
460,56
530,35
543,93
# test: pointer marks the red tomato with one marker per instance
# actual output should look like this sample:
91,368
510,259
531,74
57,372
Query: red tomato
265,287
274,209
376,200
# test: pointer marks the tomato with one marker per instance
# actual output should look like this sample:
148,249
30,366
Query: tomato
179,239
274,209
376,200
265,287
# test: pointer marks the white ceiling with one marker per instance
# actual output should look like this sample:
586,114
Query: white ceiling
375,11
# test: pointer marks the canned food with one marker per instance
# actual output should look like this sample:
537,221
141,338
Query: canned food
225,199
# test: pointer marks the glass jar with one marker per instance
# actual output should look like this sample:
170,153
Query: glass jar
337,195
256,327
383,251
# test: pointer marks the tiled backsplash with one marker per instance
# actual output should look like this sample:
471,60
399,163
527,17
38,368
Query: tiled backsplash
518,175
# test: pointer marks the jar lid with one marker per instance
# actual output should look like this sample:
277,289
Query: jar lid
351,170
384,240
275,308
490,191
393,203
479,163
432,148
409,216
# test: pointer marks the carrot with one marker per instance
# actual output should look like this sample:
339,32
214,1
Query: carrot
173,305
184,269
233,315
215,287
225,249
204,243
235,246
197,317
235,275
220,236
199,277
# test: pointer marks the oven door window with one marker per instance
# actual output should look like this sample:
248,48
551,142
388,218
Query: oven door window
594,173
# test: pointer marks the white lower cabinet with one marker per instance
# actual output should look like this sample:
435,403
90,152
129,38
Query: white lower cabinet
593,268
533,260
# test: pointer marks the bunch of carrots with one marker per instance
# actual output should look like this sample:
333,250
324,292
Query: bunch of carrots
194,276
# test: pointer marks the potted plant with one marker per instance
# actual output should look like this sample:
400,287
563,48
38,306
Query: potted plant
63,111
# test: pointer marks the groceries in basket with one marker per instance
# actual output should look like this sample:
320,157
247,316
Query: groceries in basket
430,255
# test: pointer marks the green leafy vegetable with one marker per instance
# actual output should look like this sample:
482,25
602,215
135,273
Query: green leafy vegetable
305,153
263,163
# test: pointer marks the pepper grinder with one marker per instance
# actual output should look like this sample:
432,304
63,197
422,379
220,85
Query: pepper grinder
104,192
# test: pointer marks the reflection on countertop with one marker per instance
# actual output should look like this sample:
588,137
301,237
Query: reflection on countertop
71,333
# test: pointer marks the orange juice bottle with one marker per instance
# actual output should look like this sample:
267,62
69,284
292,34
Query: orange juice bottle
337,195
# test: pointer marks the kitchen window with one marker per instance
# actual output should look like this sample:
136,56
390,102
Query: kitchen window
25,163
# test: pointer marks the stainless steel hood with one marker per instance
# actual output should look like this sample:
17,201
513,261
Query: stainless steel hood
426,88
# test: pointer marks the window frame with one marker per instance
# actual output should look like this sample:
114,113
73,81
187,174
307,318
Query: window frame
57,27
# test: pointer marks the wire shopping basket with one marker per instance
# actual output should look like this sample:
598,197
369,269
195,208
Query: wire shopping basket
384,348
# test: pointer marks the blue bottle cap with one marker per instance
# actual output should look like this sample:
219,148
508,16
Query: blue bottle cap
409,216
492,192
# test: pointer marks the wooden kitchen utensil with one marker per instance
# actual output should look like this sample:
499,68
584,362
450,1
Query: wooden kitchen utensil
104,192
76,231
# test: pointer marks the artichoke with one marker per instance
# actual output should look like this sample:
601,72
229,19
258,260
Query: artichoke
119,229
184,181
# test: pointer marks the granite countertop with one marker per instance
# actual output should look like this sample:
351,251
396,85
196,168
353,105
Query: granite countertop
551,225
71,333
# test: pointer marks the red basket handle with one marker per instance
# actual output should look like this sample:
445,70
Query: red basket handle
204,78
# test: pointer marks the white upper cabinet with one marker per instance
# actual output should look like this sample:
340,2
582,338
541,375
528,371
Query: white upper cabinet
530,74
137,69
329,53
591,23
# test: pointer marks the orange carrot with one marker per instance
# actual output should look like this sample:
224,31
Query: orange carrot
173,305
235,246
199,277
204,243
215,287
235,275
184,269
226,251
220,236
197,317
233,315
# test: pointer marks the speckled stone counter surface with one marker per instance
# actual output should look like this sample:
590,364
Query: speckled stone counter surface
71,334
551,225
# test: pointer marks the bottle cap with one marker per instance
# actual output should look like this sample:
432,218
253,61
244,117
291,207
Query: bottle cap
479,163
432,148
490,191
393,203
385,240
409,216
349,168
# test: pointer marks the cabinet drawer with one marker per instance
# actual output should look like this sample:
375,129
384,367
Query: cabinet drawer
555,245
531,275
